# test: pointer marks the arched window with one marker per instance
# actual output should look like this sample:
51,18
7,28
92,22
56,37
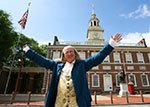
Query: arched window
144,80
140,57
116,57
132,79
128,57
95,80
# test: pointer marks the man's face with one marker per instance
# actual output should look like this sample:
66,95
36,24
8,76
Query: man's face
69,54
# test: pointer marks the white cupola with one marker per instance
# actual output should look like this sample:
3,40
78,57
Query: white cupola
94,32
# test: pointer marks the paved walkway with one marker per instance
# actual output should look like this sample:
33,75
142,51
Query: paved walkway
102,100
105,99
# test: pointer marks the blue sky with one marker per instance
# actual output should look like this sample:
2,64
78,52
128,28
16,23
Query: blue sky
69,19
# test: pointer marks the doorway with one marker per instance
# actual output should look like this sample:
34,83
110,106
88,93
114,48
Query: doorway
107,78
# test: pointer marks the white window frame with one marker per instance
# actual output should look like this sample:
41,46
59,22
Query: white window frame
140,57
82,55
135,84
118,67
106,60
106,67
142,67
56,55
146,80
128,58
98,79
130,67
116,57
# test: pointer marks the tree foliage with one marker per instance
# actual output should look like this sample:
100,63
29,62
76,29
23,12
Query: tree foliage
22,40
7,37
35,46
11,44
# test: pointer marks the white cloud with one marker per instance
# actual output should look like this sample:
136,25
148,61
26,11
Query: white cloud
61,40
44,42
142,12
147,38
128,38
136,37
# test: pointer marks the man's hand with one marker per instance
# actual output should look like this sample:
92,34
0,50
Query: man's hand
117,37
25,48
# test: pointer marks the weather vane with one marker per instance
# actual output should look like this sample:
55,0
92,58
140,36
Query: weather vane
93,8
29,3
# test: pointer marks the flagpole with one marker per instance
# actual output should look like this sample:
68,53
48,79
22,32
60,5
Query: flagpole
18,77
17,45
19,73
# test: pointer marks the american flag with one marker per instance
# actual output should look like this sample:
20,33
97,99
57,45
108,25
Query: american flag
23,20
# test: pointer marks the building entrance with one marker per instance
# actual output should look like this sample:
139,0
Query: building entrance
107,82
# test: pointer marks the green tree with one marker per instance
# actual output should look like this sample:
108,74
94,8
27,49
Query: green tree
11,44
42,50
7,37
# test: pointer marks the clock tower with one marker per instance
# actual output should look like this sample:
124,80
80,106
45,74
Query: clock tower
95,32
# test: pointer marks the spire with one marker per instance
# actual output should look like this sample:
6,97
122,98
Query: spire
93,12
94,32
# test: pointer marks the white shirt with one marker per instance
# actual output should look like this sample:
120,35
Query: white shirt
68,68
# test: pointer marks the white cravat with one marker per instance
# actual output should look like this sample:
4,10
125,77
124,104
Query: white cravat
68,68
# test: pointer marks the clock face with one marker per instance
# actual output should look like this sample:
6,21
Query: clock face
95,35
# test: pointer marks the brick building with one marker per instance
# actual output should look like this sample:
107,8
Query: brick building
134,59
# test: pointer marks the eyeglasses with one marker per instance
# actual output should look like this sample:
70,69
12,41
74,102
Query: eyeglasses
68,52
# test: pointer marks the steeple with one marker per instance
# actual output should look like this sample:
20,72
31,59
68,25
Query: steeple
95,32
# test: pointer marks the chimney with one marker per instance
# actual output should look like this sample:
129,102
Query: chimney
55,40
142,42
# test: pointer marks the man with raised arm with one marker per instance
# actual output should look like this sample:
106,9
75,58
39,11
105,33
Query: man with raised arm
68,86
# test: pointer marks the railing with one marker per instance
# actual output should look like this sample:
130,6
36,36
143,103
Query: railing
95,43
112,99
128,99
13,95
78,43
